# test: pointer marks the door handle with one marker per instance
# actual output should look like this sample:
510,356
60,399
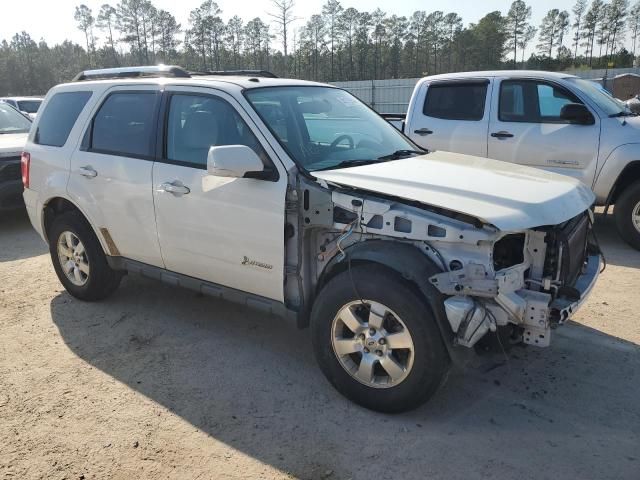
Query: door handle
423,131
88,172
502,134
175,188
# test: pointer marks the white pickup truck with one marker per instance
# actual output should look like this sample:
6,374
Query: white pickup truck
554,121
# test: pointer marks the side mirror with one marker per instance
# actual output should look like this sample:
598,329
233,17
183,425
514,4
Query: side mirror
576,113
233,161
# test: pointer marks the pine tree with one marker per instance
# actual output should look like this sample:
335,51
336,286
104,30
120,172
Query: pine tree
517,23
578,13
85,19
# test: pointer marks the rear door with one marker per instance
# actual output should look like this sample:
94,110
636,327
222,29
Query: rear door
111,171
526,128
452,115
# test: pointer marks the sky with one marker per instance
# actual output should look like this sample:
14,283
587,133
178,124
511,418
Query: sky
52,20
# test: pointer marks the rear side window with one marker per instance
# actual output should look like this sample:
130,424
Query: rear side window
456,101
59,116
125,124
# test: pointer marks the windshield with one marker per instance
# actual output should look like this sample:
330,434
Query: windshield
594,91
324,127
29,106
11,121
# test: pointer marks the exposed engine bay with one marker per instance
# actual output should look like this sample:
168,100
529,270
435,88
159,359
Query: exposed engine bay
533,280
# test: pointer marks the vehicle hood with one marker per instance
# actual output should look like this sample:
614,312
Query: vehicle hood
508,196
11,143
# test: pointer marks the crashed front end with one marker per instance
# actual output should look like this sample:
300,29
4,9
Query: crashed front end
533,280
539,279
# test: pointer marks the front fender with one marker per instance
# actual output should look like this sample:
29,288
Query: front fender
611,168
414,266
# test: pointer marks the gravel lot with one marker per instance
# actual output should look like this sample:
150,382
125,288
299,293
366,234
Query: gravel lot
162,383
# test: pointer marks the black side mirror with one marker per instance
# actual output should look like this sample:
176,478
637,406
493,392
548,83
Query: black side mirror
576,113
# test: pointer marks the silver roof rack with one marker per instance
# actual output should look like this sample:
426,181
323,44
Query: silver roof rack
132,72
238,73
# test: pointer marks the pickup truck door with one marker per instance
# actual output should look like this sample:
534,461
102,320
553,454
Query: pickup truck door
451,115
526,128
229,231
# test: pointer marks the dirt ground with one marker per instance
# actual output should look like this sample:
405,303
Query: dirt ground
161,383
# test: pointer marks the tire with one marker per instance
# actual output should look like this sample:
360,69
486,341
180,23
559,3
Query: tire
98,281
626,204
425,365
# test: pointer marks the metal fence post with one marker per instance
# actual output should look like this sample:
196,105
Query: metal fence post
373,94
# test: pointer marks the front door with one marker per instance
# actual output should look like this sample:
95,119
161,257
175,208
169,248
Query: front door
229,231
526,128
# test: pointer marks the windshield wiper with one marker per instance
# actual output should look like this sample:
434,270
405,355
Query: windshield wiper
623,113
398,154
347,164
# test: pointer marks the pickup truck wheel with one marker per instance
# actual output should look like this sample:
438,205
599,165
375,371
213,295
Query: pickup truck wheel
78,259
379,346
627,215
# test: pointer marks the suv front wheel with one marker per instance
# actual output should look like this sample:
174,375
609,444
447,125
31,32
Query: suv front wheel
79,260
627,215
376,340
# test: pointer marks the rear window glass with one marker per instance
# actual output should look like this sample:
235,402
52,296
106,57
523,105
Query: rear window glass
458,101
125,123
59,116
29,106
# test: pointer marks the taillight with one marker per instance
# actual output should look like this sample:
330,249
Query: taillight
25,163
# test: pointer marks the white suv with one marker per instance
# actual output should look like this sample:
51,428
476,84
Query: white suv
295,198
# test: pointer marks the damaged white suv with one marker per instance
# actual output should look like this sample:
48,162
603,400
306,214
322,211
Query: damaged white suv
296,198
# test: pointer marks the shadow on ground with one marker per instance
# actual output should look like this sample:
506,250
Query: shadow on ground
18,239
250,381
617,251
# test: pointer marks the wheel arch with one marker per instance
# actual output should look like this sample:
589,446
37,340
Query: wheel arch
407,261
628,176
56,206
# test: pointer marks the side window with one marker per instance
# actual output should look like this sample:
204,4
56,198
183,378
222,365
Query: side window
196,123
512,102
551,100
125,123
457,101
58,118
531,101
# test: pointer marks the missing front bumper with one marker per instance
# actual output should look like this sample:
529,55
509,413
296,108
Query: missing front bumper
561,309
471,318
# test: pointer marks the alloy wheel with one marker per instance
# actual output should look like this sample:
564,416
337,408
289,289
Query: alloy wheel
73,258
372,344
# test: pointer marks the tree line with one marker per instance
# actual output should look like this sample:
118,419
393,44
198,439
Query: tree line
337,43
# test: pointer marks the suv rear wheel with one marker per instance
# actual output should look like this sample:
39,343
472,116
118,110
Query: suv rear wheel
627,215
377,343
79,260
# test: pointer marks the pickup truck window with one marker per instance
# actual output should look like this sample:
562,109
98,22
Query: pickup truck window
197,122
598,95
531,101
324,127
456,101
